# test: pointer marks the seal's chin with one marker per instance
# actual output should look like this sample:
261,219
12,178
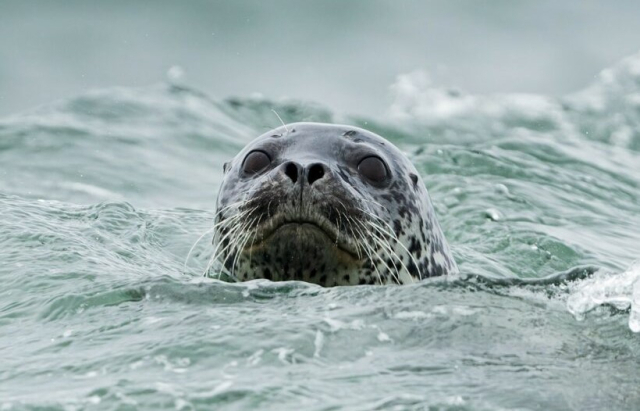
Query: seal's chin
302,235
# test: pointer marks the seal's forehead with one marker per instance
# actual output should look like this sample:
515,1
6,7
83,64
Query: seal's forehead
307,131
303,139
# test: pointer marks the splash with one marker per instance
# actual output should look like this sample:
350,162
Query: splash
619,290
417,97
606,110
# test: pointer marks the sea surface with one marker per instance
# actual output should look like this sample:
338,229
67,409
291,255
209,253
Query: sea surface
103,194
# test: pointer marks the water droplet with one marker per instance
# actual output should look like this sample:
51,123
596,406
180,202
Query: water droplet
175,76
502,189
493,214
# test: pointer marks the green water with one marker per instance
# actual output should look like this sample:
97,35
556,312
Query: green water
102,196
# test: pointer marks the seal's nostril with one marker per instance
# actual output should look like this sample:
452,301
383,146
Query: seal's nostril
291,170
316,172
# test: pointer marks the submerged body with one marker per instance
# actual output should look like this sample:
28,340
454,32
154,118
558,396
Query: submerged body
330,205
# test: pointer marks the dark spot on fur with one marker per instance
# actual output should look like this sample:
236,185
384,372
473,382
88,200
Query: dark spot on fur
414,245
397,227
413,269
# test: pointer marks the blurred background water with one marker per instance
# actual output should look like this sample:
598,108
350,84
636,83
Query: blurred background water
341,54
523,118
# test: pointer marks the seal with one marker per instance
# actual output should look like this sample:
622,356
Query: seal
326,204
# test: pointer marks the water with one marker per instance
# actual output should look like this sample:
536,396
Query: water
341,54
102,196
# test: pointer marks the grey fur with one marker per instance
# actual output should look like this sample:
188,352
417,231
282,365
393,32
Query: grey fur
339,230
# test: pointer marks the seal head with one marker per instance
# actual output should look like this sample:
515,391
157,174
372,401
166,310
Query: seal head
327,204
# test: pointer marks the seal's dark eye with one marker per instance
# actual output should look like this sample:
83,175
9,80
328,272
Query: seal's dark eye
373,169
255,162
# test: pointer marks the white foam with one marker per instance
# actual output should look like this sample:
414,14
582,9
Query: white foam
619,290
383,337
318,343
418,100
412,315
415,97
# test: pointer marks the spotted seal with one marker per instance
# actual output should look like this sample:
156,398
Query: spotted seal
330,205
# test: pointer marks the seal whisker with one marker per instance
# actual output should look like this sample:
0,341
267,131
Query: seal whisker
239,204
339,225
232,230
392,235
224,251
255,234
231,221
382,243
384,246
340,219
352,221
234,245
392,256
279,118
354,236
370,252
217,254
374,202
397,241
242,242
221,240
357,243
186,260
